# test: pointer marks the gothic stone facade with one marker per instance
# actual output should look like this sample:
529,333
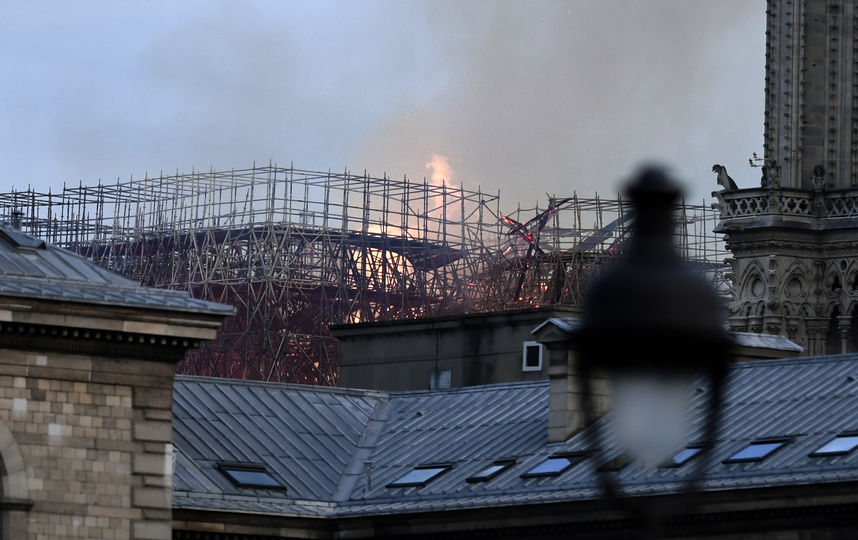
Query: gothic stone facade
795,269
795,240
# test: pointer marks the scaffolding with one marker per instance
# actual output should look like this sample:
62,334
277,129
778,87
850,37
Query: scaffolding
549,255
296,251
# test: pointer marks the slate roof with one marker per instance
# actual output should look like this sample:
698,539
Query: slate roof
336,450
31,268
741,339
567,324
765,341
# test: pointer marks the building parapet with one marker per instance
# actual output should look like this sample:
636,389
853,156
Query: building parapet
789,202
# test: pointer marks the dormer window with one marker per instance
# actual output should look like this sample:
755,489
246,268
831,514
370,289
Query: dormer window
757,451
487,473
682,457
420,476
554,465
249,475
838,446
531,356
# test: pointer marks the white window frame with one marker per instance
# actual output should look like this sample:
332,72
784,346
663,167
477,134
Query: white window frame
524,366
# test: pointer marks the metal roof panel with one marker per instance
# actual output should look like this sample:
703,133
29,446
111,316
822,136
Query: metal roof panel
316,433
31,268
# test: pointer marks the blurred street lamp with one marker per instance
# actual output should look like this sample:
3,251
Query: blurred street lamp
651,328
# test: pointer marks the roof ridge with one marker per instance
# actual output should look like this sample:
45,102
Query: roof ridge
824,359
130,286
294,386
34,269
359,465
53,248
470,389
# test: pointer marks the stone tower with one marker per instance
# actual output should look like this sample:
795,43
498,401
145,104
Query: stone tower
795,238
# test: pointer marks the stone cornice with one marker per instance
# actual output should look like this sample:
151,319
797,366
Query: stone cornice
785,247
108,343
109,318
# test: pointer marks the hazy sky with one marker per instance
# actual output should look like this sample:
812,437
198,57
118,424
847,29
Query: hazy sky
529,97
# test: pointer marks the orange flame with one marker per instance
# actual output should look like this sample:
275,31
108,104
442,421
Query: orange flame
441,170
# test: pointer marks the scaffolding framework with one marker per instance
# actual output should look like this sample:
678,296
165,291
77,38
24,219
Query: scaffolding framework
295,251
548,256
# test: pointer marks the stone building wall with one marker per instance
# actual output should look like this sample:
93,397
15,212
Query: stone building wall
94,434
86,382
473,349
86,417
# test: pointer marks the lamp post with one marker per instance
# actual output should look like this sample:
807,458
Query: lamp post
652,326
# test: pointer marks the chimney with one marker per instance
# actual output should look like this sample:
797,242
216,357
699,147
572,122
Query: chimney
565,417
16,219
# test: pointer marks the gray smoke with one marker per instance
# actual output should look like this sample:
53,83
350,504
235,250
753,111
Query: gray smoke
555,96
525,97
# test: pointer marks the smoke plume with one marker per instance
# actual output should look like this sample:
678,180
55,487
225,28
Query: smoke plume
524,97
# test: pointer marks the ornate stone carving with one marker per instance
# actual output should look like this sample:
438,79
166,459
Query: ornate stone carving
795,239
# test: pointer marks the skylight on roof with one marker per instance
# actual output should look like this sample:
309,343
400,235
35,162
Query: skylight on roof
491,471
756,451
553,466
249,476
683,456
842,444
420,476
